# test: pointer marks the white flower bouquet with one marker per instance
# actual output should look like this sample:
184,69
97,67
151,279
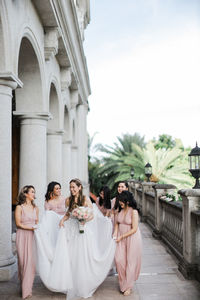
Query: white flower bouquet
82,214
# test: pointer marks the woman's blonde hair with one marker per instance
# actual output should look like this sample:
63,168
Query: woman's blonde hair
22,195
81,197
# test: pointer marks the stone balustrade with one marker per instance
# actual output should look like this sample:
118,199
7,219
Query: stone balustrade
176,223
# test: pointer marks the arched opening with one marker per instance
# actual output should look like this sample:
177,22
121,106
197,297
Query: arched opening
54,139
53,123
29,98
25,100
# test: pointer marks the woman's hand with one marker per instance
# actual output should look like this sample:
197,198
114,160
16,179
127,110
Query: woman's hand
83,222
61,223
119,238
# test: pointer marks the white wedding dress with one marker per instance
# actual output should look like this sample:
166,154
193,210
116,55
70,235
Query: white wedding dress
71,262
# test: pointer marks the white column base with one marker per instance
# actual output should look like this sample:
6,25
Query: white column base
7,272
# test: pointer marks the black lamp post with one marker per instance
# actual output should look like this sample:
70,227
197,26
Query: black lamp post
148,171
132,172
194,159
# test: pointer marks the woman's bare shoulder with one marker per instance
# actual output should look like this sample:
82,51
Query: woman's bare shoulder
18,208
88,202
67,201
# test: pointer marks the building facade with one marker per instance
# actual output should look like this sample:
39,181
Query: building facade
44,89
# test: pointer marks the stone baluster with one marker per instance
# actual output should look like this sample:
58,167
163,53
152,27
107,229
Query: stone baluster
146,186
160,189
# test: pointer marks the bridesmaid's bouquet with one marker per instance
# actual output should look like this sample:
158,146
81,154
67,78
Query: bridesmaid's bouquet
82,214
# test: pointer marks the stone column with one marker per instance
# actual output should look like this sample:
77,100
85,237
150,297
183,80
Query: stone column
146,186
74,161
191,202
7,260
82,140
67,159
160,189
33,153
54,156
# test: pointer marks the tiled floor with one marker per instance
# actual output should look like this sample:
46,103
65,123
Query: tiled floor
159,279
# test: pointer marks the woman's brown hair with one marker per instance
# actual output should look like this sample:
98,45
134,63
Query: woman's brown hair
81,197
22,195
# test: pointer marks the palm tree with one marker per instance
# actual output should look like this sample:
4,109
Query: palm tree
119,159
168,165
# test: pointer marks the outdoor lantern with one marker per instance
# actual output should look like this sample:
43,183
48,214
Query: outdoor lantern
132,172
148,171
194,159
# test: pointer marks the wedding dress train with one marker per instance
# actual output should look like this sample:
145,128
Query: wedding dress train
72,262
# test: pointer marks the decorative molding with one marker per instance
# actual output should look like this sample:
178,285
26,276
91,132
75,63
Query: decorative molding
79,66
51,42
11,77
55,132
32,115
66,78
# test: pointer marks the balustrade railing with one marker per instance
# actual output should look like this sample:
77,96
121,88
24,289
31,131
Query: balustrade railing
150,216
172,226
176,223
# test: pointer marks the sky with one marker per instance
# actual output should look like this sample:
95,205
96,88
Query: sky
143,59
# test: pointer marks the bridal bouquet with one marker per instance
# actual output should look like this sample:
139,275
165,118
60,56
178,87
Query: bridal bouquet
82,214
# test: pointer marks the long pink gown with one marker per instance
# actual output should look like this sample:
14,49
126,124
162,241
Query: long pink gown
102,208
24,245
128,252
58,207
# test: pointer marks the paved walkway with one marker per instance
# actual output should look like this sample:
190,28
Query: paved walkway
159,279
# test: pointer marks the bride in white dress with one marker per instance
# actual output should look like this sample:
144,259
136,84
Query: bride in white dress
69,261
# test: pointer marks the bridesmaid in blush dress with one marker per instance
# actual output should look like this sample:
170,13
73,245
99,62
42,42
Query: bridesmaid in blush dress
103,201
129,245
26,218
54,201
122,186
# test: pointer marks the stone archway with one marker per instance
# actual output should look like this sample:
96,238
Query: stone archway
30,97
32,120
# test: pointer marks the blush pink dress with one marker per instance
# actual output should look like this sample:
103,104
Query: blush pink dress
102,208
58,207
24,245
128,252
114,213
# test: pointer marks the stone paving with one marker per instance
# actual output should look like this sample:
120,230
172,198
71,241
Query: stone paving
159,279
